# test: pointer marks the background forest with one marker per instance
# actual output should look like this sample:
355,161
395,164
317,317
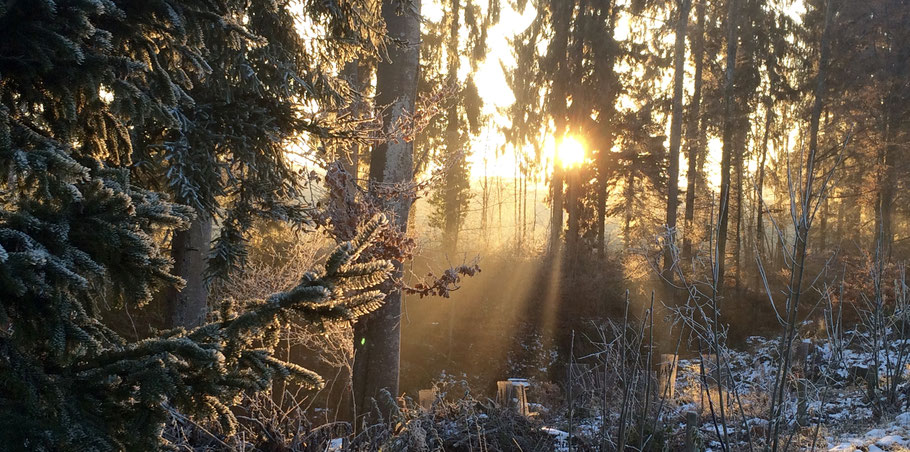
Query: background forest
454,224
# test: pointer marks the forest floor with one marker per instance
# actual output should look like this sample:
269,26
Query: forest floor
834,405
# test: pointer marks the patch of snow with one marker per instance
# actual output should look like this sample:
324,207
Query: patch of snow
890,441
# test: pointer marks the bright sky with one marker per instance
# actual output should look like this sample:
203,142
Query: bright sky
490,155
493,89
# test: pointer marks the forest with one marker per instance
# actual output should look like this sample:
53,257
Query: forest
454,225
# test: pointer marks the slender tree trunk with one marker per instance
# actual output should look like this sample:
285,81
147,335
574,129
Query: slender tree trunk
516,205
884,235
453,187
528,239
534,211
823,225
629,194
499,203
840,231
603,156
759,188
484,206
562,15
738,164
556,214
676,132
190,249
358,73
602,195
573,201
727,152
694,141
377,337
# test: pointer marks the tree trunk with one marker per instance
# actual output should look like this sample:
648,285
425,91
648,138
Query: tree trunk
727,153
190,249
759,189
573,182
358,73
562,15
484,202
629,194
377,337
884,209
694,140
454,152
738,164
676,133
603,156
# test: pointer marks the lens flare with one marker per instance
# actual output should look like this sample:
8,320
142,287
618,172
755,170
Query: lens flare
571,153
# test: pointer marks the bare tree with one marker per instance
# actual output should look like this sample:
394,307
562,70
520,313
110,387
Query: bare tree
803,209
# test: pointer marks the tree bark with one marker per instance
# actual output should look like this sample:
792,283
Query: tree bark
759,188
628,194
676,133
573,208
694,138
727,152
452,208
603,155
884,208
562,15
738,182
377,337
188,307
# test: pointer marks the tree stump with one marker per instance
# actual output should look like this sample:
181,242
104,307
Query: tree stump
426,397
513,394
802,402
802,351
691,429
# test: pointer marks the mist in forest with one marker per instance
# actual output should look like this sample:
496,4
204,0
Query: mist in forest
533,225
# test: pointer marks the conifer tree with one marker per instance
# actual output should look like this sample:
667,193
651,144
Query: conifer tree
226,157
84,89
462,34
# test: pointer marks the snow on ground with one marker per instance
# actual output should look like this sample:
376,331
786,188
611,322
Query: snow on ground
560,438
839,402
892,437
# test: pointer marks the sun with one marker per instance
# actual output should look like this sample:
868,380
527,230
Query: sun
571,153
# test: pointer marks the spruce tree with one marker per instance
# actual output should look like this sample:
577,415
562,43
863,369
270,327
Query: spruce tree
85,87
462,34
227,156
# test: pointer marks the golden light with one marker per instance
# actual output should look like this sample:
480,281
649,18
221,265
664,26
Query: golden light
571,153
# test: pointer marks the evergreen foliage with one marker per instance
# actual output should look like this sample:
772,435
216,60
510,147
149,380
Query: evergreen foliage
227,158
93,93
446,142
